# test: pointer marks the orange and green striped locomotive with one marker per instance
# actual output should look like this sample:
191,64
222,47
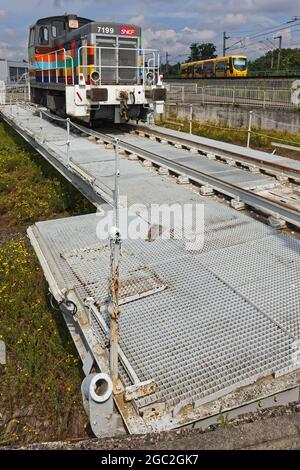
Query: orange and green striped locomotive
93,71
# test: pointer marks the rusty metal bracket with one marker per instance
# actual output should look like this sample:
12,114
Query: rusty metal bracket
140,390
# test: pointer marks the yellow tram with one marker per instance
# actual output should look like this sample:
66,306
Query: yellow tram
221,67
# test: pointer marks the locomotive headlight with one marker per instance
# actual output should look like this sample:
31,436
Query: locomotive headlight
95,76
150,76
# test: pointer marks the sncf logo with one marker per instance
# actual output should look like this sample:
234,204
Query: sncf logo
127,31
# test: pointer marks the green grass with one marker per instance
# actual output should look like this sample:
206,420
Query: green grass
221,131
30,189
40,384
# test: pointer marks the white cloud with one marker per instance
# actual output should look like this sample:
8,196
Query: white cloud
138,20
168,25
234,19
175,42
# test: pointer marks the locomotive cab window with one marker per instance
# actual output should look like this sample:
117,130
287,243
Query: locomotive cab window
54,31
57,28
44,35
31,37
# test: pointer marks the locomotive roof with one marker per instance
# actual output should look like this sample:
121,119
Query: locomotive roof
88,27
49,19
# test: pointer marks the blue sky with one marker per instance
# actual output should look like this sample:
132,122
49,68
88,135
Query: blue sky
169,25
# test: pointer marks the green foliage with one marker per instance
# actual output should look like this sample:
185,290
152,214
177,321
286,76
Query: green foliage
221,131
171,69
40,384
30,189
290,61
42,365
223,420
202,51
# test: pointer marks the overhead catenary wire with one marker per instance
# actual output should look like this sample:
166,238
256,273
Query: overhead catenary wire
269,31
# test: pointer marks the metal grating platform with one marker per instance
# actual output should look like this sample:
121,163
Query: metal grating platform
214,327
201,324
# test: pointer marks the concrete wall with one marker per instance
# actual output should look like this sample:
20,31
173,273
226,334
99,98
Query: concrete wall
233,116
3,70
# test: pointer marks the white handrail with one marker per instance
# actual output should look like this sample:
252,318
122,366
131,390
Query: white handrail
66,57
139,67
148,63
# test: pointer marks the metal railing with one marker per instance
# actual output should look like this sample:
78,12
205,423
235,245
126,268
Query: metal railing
59,63
276,98
146,69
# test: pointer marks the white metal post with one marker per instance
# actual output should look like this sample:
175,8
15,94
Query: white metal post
115,250
49,69
116,189
191,118
41,125
28,88
249,128
56,67
68,141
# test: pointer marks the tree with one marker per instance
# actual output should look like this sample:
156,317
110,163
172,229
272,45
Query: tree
195,52
290,61
206,50
170,69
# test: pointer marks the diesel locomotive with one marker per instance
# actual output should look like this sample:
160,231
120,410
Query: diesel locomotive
93,71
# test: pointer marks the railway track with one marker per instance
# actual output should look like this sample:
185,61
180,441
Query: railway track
272,168
267,205
276,207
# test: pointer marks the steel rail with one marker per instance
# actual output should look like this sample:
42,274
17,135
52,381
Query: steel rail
257,201
292,173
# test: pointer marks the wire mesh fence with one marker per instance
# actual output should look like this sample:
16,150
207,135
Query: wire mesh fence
197,94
